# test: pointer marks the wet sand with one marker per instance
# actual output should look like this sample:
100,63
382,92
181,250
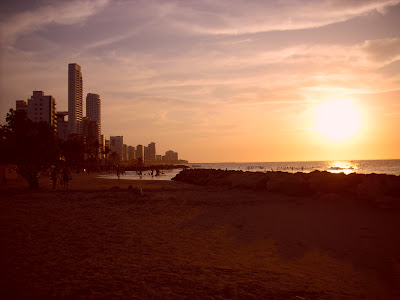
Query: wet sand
182,241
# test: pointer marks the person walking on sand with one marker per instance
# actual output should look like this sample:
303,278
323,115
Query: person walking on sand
66,176
118,171
53,176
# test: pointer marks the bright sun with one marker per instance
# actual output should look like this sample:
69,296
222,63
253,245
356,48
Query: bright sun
338,120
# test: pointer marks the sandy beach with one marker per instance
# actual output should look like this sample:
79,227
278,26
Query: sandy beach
101,240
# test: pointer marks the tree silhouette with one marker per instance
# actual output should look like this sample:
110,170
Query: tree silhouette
92,153
28,145
114,158
73,150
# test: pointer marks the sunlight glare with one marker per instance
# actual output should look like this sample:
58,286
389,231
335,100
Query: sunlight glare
338,120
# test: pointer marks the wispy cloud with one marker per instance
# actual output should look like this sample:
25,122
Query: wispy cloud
65,13
203,71
383,50
241,17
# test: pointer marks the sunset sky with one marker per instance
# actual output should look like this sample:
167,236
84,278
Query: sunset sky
218,80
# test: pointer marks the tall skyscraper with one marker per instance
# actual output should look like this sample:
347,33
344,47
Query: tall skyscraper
140,152
131,153
75,87
102,146
124,152
146,153
151,151
90,132
116,145
93,111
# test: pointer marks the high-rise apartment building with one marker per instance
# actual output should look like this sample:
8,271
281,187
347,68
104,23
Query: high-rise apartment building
62,125
40,108
140,152
21,105
102,145
116,145
151,152
75,92
107,147
93,111
171,155
124,152
90,133
131,153
146,153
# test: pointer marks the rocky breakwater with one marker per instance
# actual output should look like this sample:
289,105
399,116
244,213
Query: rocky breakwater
376,187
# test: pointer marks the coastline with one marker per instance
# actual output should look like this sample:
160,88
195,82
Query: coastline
382,166
102,240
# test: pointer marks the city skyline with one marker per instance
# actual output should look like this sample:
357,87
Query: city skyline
42,108
226,81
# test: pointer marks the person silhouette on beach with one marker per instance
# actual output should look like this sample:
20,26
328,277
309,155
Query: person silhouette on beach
66,176
53,176
118,171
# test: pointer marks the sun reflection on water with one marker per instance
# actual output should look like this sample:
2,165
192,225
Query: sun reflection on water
345,167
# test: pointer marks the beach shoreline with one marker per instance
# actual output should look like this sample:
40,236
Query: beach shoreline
101,239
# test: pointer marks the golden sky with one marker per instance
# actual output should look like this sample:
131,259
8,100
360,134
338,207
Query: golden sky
219,81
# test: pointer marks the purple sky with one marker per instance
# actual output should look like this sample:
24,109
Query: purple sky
215,80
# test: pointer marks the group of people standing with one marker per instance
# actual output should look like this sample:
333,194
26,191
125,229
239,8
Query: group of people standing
120,171
63,176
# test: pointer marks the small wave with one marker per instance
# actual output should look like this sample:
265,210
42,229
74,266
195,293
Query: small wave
340,168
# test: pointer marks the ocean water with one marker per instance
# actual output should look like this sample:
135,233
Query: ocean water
391,167
345,166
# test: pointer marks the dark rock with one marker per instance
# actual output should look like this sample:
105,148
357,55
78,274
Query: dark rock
370,188
299,184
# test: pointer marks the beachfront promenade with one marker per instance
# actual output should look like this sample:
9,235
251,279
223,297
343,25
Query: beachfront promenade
104,240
